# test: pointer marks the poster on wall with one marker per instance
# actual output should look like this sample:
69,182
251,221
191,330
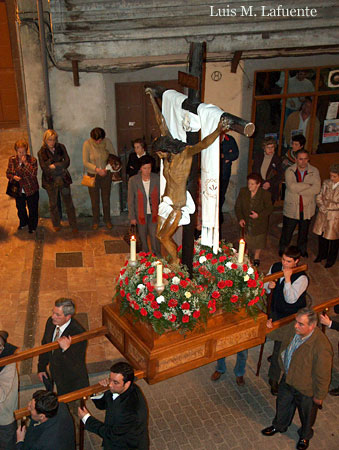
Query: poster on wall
331,131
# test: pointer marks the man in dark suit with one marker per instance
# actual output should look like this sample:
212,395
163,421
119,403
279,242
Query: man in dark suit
126,417
67,363
51,426
334,325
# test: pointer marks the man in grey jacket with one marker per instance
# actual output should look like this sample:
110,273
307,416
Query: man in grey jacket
8,395
302,185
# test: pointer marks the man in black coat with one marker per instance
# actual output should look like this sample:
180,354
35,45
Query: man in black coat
67,363
51,426
126,417
334,325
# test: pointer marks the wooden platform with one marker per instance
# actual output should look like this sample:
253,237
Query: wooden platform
172,353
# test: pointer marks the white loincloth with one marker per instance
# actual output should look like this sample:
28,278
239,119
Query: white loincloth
165,208
209,118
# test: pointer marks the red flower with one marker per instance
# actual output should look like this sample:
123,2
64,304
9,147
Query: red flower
196,264
149,297
143,312
136,306
171,274
245,267
214,261
196,314
126,281
221,284
179,248
234,266
143,260
256,275
221,269
211,306
253,301
202,270
222,258
183,283
261,284
150,287
151,270
215,294
144,279
120,283
200,288
194,251
164,275
154,305
229,283
185,318
147,263
122,293
234,298
157,314
137,291
185,305
172,318
142,253
181,274
251,283
172,302
209,256
174,288
202,252
128,296
122,272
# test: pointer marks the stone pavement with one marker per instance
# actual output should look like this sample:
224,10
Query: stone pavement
186,412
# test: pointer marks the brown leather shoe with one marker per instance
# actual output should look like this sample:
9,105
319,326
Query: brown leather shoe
216,375
240,381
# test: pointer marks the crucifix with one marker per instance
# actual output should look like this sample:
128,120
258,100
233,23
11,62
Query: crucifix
180,158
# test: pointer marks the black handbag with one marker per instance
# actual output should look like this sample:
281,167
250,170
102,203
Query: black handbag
13,189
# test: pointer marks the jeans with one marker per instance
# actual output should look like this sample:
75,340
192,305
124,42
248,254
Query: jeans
240,365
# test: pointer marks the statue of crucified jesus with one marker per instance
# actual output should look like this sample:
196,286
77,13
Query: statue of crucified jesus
177,158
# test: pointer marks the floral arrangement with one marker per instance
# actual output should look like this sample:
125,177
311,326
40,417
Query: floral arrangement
229,285
182,304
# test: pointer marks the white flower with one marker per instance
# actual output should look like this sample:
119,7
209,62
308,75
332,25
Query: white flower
141,286
202,259
166,270
188,294
246,278
175,280
160,299
229,264
250,270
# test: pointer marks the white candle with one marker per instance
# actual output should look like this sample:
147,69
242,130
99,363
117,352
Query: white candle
159,273
133,248
241,252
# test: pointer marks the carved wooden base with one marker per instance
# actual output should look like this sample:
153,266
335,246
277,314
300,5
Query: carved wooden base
172,353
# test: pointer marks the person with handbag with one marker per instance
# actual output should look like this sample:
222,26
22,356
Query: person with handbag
23,185
54,162
95,154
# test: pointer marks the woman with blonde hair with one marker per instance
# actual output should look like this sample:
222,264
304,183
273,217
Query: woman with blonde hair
23,168
54,162
326,224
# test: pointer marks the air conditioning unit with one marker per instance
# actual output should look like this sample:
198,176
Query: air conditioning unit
333,79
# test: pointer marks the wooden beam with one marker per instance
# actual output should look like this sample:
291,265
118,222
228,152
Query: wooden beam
235,61
75,69
83,393
317,308
277,275
30,353
188,80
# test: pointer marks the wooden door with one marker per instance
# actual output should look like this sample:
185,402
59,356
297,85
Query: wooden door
9,111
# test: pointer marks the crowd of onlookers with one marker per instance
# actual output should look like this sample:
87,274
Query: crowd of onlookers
300,378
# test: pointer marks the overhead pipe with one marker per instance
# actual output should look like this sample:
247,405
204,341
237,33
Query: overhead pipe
44,63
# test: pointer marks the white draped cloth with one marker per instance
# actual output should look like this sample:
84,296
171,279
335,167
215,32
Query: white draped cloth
179,121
